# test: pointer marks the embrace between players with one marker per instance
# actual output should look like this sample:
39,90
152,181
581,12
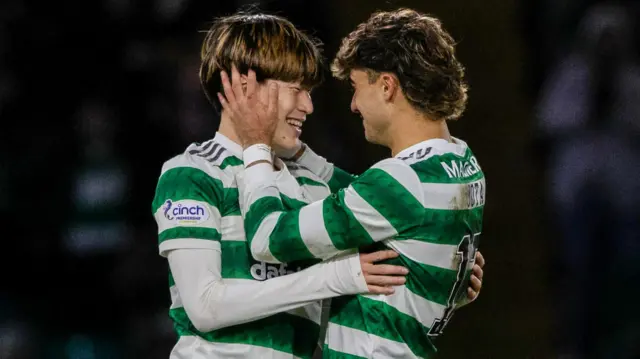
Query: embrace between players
258,229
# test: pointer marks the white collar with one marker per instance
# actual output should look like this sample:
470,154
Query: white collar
456,145
229,145
237,150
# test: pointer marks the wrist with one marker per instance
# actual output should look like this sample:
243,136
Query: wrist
348,278
257,153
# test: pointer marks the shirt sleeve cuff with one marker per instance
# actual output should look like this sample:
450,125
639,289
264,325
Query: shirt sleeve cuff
258,152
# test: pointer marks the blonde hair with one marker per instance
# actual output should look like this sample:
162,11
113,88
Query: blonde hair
268,44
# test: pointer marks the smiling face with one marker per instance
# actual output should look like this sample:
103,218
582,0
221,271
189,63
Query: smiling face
368,101
294,104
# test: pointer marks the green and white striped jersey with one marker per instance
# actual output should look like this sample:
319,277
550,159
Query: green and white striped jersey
426,203
196,205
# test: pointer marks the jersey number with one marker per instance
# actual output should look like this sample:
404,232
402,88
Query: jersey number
466,255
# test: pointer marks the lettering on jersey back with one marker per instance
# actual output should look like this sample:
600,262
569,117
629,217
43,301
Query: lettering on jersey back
461,169
417,155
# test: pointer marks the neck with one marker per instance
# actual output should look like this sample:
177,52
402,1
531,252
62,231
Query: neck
411,128
226,128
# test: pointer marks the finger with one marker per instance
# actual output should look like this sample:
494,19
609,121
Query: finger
385,269
477,271
236,82
223,102
475,283
471,294
251,83
226,88
384,280
272,107
480,259
375,289
378,256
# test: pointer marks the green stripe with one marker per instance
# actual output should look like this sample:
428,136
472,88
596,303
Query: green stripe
189,232
383,320
340,179
285,241
328,353
432,171
230,161
309,182
257,212
187,183
236,260
291,203
283,332
344,229
231,206
446,226
431,283
390,198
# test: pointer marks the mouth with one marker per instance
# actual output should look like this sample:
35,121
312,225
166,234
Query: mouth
296,125
295,122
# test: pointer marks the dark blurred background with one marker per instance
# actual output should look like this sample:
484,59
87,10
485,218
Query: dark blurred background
95,95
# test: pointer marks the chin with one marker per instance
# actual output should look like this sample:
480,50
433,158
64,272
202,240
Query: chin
286,148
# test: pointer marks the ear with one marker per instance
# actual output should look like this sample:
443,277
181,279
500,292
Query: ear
390,86
243,82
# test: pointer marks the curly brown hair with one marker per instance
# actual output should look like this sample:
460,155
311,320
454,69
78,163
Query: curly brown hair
270,45
415,48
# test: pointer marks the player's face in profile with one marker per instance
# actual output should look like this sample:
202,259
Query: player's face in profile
368,101
294,104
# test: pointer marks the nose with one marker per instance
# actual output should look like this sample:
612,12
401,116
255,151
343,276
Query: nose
354,107
305,103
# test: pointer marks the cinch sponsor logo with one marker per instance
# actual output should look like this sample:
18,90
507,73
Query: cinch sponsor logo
264,271
185,212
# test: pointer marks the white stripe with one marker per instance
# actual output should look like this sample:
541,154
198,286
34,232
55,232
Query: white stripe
454,195
232,228
194,161
260,242
313,231
176,301
357,342
411,304
373,222
437,255
192,347
314,193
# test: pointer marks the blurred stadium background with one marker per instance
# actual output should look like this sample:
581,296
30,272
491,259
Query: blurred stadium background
95,95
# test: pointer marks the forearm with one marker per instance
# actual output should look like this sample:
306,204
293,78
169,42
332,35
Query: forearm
213,303
367,211
276,235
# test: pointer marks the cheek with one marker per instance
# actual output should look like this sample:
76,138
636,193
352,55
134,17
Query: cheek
286,105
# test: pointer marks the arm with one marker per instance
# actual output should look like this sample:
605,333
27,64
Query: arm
336,178
213,303
383,202
186,211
